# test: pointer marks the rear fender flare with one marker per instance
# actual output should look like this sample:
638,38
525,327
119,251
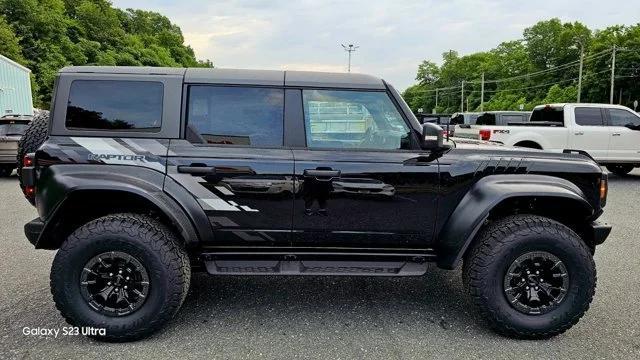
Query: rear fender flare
68,182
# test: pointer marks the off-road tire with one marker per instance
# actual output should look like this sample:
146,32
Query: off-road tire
495,249
141,237
620,169
33,137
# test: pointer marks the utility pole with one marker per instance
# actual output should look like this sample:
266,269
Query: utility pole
620,97
462,97
349,48
580,72
482,93
467,104
613,73
436,107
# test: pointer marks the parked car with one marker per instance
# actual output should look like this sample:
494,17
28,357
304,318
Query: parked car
610,134
148,174
11,129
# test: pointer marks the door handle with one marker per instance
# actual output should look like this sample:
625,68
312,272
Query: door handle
579,133
615,134
196,169
325,175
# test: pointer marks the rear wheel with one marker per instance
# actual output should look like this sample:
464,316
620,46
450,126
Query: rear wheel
123,273
620,169
530,276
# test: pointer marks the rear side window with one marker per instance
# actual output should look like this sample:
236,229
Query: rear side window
588,116
235,116
115,105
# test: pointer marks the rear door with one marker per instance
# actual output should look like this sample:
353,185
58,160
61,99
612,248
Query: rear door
364,183
624,127
589,132
233,161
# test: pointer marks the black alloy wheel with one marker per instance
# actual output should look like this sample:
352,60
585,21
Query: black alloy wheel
536,282
114,283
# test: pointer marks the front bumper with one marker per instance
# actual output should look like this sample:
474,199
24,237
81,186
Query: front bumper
33,229
597,232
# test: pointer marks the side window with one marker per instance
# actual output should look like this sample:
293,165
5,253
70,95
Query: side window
506,119
353,120
115,105
619,117
588,116
227,115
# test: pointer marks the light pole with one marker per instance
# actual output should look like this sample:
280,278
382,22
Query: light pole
349,48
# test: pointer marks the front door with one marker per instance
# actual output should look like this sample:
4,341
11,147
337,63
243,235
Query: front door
362,182
234,163
624,127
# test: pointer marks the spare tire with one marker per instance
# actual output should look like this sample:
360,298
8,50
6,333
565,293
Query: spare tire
32,139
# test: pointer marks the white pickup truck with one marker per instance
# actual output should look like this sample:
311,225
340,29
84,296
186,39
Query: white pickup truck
610,134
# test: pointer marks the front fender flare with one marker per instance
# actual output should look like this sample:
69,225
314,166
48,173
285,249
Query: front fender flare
475,207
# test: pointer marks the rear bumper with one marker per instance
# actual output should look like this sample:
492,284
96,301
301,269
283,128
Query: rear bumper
598,232
33,229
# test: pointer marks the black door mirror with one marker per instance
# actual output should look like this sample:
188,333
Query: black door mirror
432,135
633,126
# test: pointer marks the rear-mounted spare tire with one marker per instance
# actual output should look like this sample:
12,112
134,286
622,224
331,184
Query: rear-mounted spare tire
35,135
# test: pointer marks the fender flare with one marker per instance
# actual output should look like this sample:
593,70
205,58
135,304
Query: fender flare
70,181
467,219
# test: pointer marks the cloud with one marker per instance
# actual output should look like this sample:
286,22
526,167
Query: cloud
394,36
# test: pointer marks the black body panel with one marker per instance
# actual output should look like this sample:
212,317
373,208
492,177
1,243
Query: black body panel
247,194
374,199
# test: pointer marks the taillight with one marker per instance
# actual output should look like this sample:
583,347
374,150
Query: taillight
485,134
604,190
29,176
27,161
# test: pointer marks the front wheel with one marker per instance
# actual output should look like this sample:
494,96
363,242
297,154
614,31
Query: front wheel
620,169
123,275
530,276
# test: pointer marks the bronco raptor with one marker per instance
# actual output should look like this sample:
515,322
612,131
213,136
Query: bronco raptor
142,175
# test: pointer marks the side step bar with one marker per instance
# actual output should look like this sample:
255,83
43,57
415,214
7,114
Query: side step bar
316,264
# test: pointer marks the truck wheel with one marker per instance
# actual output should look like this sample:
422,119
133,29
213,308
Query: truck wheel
124,273
33,137
620,169
530,276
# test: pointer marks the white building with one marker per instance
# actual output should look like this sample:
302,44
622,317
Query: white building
15,88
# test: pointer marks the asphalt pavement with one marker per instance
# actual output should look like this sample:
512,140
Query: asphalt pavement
326,317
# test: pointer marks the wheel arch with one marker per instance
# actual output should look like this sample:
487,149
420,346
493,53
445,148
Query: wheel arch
528,144
85,198
500,195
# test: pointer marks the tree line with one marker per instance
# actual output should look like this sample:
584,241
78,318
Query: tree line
542,67
46,35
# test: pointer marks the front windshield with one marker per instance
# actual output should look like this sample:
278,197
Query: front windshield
12,129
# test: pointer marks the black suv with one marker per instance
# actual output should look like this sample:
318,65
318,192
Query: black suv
143,175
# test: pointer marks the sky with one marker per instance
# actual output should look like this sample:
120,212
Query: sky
393,36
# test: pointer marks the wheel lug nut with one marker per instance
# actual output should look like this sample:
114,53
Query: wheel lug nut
125,287
528,272
109,283
537,272
110,274
120,272
127,278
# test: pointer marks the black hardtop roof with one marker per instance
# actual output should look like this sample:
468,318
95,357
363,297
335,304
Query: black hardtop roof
244,76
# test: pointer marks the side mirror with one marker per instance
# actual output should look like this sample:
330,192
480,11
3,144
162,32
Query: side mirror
633,126
432,135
